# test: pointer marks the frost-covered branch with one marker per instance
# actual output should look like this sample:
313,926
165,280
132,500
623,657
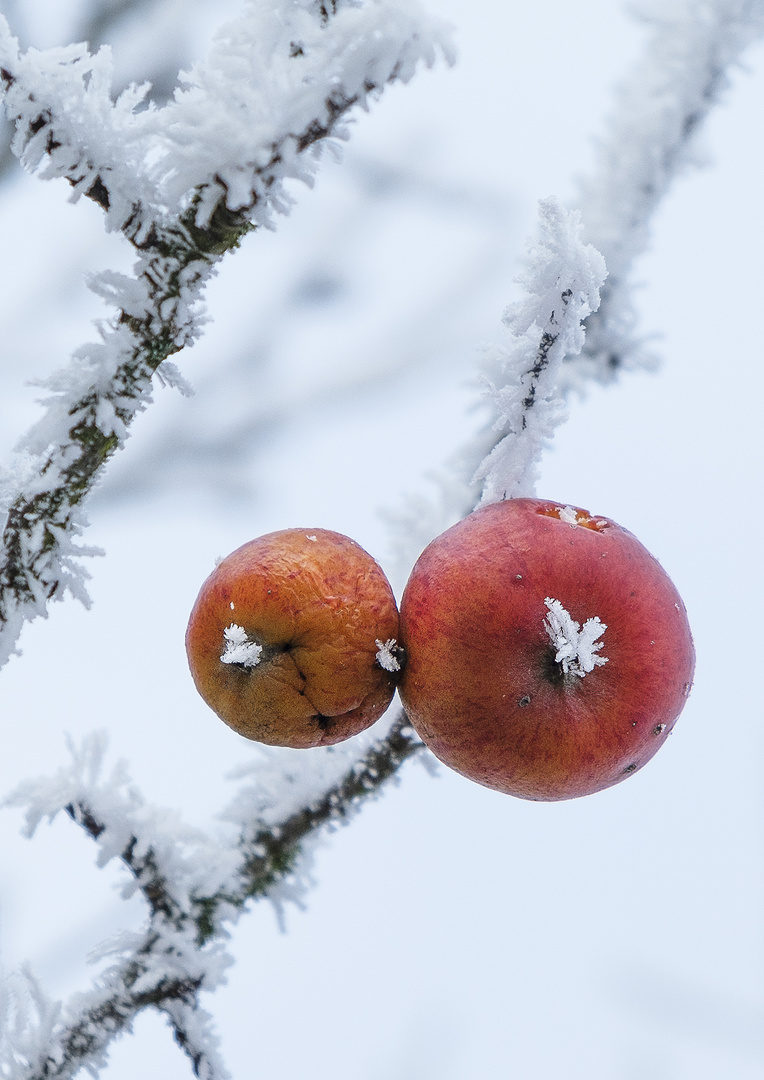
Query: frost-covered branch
272,851
94,23
41,1040
183,184
194,887
562,286
194,1032
90,1023
575,323
29,1023
651,139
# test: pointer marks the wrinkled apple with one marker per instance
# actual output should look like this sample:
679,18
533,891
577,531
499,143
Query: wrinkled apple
548,654
293,639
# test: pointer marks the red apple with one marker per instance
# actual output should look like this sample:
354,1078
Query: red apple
548,654
293,639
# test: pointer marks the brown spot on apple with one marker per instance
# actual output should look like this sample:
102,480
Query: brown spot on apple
572,515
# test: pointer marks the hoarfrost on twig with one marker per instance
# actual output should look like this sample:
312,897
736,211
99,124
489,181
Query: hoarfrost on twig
651,139
194,886
562,284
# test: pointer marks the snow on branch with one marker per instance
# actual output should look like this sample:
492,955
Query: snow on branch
194,886
273,86
28,1022
651,139
49,1042
271,844
193,1031
68,126
184,184
168,861
562,285
565,338
239,136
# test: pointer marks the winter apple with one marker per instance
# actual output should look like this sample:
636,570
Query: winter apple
548,654
293,639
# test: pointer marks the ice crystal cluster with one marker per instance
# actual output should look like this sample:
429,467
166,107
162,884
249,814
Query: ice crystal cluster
576,647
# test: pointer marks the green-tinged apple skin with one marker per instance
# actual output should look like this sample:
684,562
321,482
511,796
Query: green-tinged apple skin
318,605
481,684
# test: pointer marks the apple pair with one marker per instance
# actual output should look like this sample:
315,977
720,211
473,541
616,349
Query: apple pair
539,650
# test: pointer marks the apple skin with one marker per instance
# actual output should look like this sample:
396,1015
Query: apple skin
482,685
318,605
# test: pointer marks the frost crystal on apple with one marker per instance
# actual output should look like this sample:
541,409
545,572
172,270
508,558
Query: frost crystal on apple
386,657
239,649
576,647
567,513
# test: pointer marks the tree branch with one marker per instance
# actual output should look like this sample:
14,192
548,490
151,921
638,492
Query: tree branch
271,853
85,1042
663,104
181,953
211,207
193,1032
562,287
